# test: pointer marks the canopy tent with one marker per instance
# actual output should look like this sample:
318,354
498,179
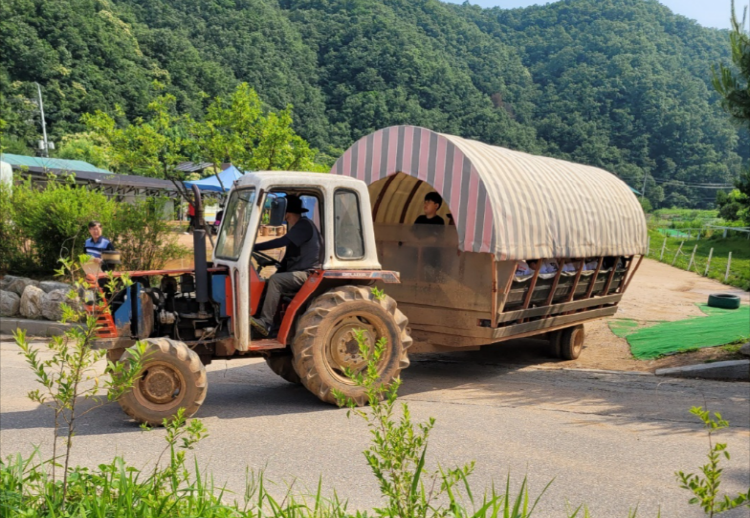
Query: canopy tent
211,183
512,204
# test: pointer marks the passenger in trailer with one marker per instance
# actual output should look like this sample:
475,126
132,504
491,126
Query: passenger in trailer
432,203
303,244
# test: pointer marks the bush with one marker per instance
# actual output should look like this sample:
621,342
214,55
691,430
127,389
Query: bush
11,244
52,222
143,236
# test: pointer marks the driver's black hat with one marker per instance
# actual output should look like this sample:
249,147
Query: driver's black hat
294,205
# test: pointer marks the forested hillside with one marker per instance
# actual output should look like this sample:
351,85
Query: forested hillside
620,84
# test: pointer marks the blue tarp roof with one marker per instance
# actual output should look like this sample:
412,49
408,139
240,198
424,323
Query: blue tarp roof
210,183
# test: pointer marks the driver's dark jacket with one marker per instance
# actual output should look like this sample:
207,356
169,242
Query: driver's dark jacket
303,247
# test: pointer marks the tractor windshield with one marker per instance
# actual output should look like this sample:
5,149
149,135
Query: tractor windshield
235,224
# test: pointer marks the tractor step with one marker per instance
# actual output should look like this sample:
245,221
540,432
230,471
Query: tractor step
265,345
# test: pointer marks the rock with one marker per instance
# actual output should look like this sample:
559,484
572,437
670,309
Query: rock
49,286
19,285
9,303
51,304
745,349
31,302
5,281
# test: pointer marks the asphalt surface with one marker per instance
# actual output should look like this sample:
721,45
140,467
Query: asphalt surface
610,440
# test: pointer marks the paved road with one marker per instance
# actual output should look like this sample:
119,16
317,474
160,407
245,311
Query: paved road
610,440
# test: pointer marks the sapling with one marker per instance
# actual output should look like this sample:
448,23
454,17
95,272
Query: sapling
68,376
398,450
705,487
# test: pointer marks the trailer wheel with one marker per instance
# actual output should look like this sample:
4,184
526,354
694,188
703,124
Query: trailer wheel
554,342
172,377
571,342
325,345
283,366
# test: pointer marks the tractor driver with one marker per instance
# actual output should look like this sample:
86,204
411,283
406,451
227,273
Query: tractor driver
303,246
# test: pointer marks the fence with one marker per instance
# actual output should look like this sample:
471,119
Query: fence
686,259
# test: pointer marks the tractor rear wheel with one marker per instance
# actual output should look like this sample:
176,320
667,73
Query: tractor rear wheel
283,366
325,347
172,377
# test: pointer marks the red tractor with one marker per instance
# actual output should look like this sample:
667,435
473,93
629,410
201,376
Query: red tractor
189,317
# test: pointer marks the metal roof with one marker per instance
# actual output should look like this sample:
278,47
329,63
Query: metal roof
50,164
512,204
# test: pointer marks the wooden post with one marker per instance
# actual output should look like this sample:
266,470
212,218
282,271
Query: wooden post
594,277
662,249
494,291
555,282
678,253
692,257
710,253
632,275
729,261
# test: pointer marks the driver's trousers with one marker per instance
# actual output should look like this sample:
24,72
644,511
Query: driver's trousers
280,284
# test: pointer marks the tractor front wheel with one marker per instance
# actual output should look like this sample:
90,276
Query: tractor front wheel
172,377
325,348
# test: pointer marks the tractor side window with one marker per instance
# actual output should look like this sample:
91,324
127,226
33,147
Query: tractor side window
348,225
236,222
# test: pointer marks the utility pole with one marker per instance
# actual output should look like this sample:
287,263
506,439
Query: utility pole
44,125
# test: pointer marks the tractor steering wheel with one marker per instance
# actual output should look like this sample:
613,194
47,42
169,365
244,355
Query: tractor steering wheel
265,260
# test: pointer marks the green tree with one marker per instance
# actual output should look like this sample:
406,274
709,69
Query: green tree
733,83
237,130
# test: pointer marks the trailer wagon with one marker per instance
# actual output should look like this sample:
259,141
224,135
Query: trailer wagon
461,286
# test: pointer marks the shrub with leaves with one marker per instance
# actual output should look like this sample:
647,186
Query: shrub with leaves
54,219
143,236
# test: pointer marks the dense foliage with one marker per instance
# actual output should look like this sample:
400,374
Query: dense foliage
620,84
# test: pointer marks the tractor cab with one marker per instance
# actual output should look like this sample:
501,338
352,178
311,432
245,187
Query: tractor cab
255,213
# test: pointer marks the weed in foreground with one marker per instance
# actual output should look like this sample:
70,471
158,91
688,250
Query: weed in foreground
67,377
705,486
398,452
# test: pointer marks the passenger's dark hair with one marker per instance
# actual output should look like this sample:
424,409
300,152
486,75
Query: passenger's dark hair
433,196
93,224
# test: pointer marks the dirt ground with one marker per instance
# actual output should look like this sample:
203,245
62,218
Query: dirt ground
658,292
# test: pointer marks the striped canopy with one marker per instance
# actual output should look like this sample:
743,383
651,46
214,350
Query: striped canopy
512,204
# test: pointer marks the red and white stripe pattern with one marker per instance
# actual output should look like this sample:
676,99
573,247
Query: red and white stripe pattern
512,204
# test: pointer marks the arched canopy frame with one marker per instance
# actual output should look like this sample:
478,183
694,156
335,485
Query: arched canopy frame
508,203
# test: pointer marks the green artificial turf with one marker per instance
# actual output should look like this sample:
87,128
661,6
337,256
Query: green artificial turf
718,327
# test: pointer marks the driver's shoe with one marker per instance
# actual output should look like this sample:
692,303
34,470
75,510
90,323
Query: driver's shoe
260,327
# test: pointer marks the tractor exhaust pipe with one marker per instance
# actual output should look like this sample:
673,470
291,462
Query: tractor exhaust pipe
199,251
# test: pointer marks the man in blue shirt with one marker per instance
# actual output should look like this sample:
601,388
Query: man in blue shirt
96,244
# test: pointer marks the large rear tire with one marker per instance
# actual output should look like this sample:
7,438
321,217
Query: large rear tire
172,377
283,366
325,346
